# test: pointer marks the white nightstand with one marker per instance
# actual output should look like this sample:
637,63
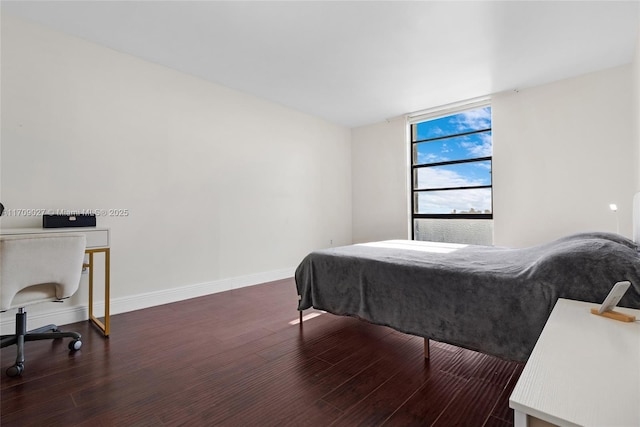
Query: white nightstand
583,371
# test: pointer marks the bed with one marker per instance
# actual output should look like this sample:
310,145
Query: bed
490,299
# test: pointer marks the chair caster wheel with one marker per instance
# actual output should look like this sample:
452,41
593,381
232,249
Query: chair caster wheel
15,370
75,345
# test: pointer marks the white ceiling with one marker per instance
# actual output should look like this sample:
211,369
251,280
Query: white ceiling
358,62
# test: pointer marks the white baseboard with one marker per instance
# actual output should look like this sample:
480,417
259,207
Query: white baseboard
62,316
72,314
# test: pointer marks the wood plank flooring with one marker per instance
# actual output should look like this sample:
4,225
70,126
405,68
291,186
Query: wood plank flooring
239,358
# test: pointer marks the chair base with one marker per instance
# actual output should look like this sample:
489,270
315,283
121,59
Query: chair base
21,336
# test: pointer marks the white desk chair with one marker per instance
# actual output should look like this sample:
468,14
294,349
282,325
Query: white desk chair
34,269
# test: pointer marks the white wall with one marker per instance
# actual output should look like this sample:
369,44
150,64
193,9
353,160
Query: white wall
636,105
562,153
379,178
218,184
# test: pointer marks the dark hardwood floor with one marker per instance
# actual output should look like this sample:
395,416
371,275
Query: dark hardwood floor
234,358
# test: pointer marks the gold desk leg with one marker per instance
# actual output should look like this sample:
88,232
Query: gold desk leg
104,327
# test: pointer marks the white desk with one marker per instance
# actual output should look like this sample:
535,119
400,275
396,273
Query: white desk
97,242
584,370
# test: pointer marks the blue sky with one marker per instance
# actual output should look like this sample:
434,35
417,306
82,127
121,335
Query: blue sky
460,175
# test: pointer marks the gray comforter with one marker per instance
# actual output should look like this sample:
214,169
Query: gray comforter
494,300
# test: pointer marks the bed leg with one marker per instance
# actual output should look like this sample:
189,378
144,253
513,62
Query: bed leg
300,311
426,348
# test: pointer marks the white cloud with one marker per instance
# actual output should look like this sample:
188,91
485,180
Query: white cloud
460,200
430,158
485,149
447,201
475,119
444,178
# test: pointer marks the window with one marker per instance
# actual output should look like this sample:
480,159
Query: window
451,171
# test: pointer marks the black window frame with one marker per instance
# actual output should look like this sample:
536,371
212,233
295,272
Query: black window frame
414,167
